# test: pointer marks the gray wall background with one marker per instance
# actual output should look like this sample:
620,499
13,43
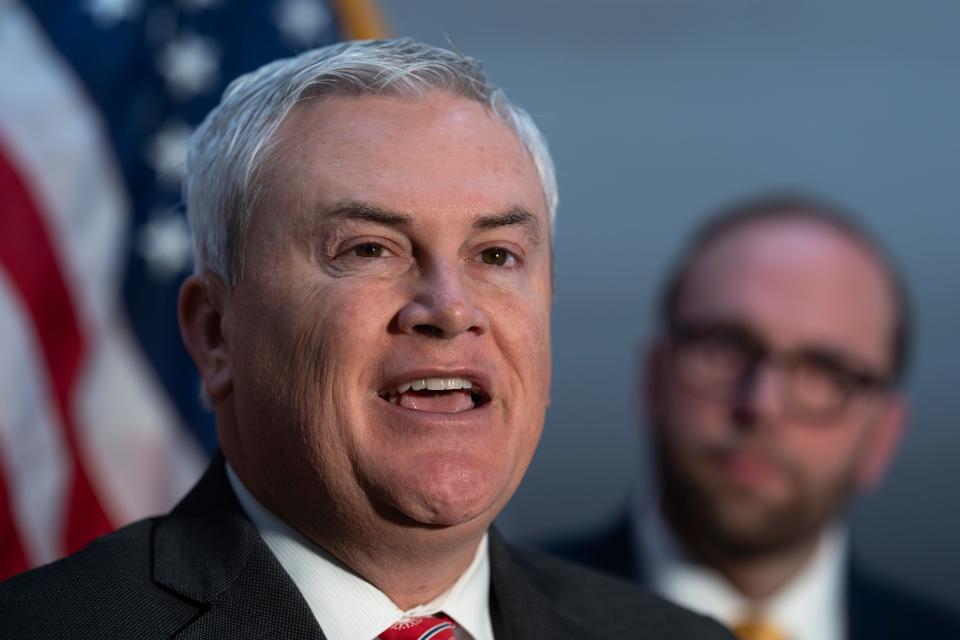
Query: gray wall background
659,110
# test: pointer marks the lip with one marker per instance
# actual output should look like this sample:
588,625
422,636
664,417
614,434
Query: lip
469,417
469,428
748,468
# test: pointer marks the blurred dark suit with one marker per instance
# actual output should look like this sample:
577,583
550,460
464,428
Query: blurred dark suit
876,610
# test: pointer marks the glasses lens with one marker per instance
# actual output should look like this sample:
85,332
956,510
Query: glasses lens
710,365
720,362
816,388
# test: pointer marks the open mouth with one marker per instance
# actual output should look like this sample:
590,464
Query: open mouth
438,395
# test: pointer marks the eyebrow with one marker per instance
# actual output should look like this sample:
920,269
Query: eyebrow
370,213
515,216
364,212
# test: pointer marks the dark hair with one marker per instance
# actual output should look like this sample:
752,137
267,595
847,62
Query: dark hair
783,206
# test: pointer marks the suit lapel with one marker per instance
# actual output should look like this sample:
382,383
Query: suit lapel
520,611
209,553
870,615
261,603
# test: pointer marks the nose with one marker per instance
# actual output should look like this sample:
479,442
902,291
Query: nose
441,305
758,400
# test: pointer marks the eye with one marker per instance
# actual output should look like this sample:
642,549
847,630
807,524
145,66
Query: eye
374,255
369,250
821,383
498,257
710,362
818,387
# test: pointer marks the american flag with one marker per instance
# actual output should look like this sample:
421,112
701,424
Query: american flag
100,422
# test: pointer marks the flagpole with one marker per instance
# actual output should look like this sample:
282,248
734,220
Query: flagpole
361,19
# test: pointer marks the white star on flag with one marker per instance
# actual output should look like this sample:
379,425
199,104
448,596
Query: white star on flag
108,13
160,24
164,242
190,65
301,21
198,5
167,153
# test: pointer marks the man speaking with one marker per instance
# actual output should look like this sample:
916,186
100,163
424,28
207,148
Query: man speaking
370,315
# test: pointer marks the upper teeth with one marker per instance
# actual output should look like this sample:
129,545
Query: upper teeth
435,384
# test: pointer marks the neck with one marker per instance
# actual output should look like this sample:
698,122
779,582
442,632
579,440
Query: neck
760,577
757,576
411,568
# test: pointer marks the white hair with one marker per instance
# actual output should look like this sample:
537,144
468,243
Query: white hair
223,180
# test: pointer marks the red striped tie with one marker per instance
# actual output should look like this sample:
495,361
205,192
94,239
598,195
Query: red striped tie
438,627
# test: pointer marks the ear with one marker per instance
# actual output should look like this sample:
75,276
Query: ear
882,441
201,311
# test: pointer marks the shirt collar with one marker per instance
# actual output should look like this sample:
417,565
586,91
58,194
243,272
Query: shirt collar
810,606
346,606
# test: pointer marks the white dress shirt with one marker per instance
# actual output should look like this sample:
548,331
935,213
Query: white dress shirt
346,606
811,606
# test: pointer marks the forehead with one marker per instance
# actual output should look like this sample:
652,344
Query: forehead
800,283
433,154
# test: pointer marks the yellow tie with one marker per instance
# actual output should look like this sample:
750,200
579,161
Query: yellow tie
757,629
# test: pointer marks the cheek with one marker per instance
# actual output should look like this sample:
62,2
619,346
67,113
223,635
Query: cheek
826,456
339,333
692,420
522,330
306,357
538,337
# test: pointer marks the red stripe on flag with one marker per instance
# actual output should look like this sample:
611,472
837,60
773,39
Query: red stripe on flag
28,255
12,558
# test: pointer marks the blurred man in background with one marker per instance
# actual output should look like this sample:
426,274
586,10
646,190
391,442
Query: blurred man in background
773,398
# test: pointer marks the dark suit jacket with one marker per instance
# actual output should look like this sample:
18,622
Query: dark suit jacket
876,610
204,572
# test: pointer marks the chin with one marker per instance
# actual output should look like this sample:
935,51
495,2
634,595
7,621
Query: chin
446,495
443,514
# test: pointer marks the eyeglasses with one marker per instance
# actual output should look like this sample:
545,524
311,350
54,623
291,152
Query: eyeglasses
720,361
